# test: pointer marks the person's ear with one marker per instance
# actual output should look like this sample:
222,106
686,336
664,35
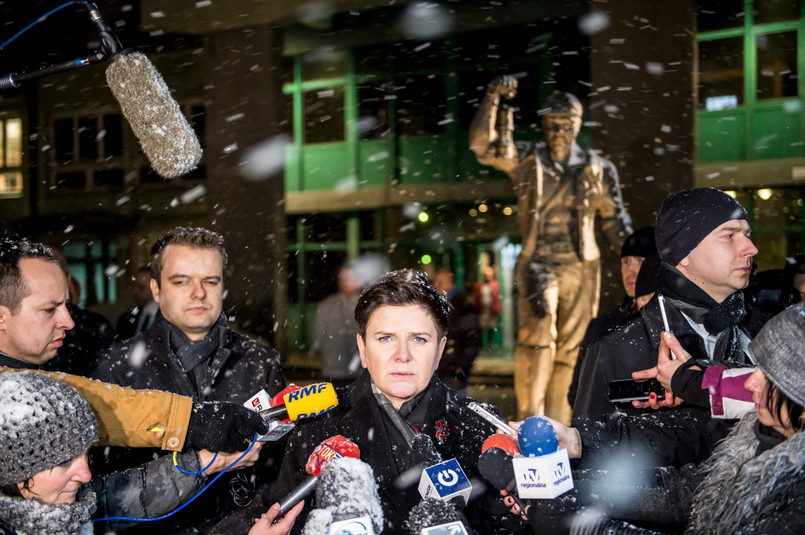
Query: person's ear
362,350
5,315
155,290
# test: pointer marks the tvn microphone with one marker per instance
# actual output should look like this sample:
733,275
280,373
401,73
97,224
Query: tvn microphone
347,500
332,448
435,517
544,470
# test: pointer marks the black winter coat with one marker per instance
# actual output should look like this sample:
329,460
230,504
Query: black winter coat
238,369
455,431
631,347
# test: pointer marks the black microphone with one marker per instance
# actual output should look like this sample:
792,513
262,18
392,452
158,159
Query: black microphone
347,500
432,516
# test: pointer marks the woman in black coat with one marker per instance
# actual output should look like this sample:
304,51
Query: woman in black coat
398,413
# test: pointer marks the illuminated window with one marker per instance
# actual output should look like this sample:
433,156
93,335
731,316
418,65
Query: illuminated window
11,157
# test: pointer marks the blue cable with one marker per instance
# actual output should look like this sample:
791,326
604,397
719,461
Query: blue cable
182,470
37,21
188,502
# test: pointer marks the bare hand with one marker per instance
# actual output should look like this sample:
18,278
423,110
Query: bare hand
513,506
505,86
225,459
264,526
664,371
568,437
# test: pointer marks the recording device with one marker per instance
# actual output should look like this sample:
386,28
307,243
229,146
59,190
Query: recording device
435,517
491,418
771,291
544,471
332,448
445,481
348,491
625,390
167,139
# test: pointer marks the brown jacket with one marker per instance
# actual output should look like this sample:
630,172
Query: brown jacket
130,417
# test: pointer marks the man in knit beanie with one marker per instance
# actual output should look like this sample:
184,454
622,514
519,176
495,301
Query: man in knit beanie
702,237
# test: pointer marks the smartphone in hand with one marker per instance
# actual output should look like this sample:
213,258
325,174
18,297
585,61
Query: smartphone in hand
625,390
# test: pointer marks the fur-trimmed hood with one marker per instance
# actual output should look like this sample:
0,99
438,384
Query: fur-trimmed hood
742,491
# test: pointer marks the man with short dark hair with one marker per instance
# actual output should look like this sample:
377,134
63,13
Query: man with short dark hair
702,237
190,350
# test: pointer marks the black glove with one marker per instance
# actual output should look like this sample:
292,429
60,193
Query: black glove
223,426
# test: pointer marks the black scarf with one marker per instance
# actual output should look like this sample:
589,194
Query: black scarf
719,319
196,355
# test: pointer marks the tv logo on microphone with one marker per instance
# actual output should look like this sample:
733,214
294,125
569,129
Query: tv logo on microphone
546,476
445,481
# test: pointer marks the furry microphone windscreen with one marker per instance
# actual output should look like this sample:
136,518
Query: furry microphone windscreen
167,139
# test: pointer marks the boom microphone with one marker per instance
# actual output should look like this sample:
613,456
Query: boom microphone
332,448
164,134
304,402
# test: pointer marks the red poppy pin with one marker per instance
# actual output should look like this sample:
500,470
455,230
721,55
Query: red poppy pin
442,430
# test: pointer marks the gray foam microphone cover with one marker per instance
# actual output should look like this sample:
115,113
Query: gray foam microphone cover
167,139
347,487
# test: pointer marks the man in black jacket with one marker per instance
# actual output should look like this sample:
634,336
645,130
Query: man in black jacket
703,240
400,415
190,350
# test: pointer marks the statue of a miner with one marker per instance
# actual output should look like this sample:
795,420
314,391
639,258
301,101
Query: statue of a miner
559,188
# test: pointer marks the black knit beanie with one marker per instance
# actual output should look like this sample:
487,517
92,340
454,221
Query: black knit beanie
640,243
777,349
43,423
688,216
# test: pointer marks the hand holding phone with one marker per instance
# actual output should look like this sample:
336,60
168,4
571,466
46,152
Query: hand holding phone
626,390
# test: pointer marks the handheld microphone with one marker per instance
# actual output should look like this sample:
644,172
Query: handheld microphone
496,466
348,490
305,402
332,448
260,402
445,481
537,437
544,472
435,517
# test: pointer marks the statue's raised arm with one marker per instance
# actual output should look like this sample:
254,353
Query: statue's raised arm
491,129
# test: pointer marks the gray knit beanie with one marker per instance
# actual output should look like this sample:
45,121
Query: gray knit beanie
43,423
779,350
686,218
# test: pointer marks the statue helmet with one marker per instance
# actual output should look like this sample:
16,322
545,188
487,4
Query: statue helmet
562,103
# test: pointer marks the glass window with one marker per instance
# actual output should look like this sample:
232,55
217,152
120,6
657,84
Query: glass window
63,140
373,104
13,142
113,135
719,14
324,115
776,65
88,137
323,64
775,10
421,105
721,71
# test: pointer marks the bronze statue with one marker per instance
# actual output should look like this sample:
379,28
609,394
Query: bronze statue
559,187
